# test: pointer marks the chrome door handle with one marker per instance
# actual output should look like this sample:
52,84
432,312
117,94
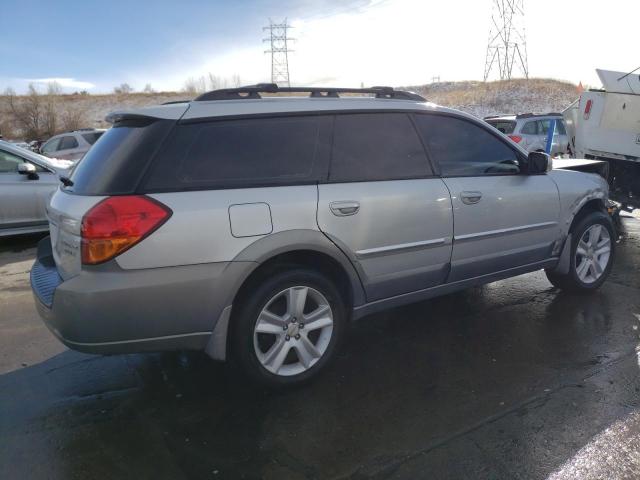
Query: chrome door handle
469,198
345,208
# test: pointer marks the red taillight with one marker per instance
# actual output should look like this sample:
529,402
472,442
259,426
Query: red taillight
118,223
515,138
587,109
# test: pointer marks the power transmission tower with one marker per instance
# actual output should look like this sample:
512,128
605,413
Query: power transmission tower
507,45
279,52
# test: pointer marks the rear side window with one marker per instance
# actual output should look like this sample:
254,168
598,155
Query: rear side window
529,128
376,146
67,143
243,153
463,148
117,161
92,137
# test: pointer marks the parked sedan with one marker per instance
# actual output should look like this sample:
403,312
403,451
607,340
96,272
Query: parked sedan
27,181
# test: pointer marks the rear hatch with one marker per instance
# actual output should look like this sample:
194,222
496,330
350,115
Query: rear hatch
505,126
113,167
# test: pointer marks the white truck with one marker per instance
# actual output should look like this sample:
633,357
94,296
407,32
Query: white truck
605,125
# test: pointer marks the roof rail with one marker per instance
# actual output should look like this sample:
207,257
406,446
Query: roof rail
254,91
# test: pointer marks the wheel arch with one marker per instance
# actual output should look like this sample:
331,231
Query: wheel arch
300,248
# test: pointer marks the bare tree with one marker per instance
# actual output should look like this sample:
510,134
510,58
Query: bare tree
148,89
235,80
73,118
194,85
123,89
26,113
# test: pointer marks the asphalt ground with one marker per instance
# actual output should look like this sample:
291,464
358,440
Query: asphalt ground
511,380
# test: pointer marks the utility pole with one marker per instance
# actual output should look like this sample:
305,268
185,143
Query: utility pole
279,51
507,46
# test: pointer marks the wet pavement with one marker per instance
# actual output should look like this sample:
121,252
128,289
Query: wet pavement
511,380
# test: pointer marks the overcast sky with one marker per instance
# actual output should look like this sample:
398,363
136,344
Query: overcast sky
95,46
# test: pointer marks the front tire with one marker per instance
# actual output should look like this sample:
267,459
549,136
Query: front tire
289,328
592,250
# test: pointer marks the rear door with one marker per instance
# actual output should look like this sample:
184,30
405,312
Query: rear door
383,207
503,217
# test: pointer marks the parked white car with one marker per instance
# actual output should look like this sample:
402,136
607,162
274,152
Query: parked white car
27,181
71,145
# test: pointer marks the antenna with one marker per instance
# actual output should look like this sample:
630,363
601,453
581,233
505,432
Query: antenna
507,44
279,52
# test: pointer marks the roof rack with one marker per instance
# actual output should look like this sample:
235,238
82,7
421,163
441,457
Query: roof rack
254,91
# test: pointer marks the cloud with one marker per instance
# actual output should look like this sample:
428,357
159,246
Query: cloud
64,82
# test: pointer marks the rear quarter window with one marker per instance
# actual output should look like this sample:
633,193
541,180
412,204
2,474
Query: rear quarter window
117,161
243,153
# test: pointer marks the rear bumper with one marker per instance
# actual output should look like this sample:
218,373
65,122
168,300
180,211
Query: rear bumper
107,310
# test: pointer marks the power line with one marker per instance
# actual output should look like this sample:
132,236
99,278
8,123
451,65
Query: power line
279,51
507,46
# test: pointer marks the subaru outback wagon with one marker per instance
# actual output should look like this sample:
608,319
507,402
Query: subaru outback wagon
254,227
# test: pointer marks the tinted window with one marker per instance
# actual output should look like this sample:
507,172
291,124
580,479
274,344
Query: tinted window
92,137
117,161
530,128
503,126
249,152
560,127
67,143
463,148
376,146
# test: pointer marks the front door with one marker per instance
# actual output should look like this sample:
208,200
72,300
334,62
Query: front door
383,207
23,199
503,218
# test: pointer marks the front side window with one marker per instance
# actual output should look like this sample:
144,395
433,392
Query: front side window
50,146
67,143
462,148
9,163
249,152
376,146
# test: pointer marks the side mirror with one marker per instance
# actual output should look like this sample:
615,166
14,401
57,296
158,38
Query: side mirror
28,169
538,162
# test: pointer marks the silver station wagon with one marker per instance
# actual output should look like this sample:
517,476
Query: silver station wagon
254,226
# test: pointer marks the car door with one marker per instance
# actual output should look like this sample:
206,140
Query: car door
23,198
503,217
383,207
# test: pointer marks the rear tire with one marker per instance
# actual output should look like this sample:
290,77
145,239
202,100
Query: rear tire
288,328
592,251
